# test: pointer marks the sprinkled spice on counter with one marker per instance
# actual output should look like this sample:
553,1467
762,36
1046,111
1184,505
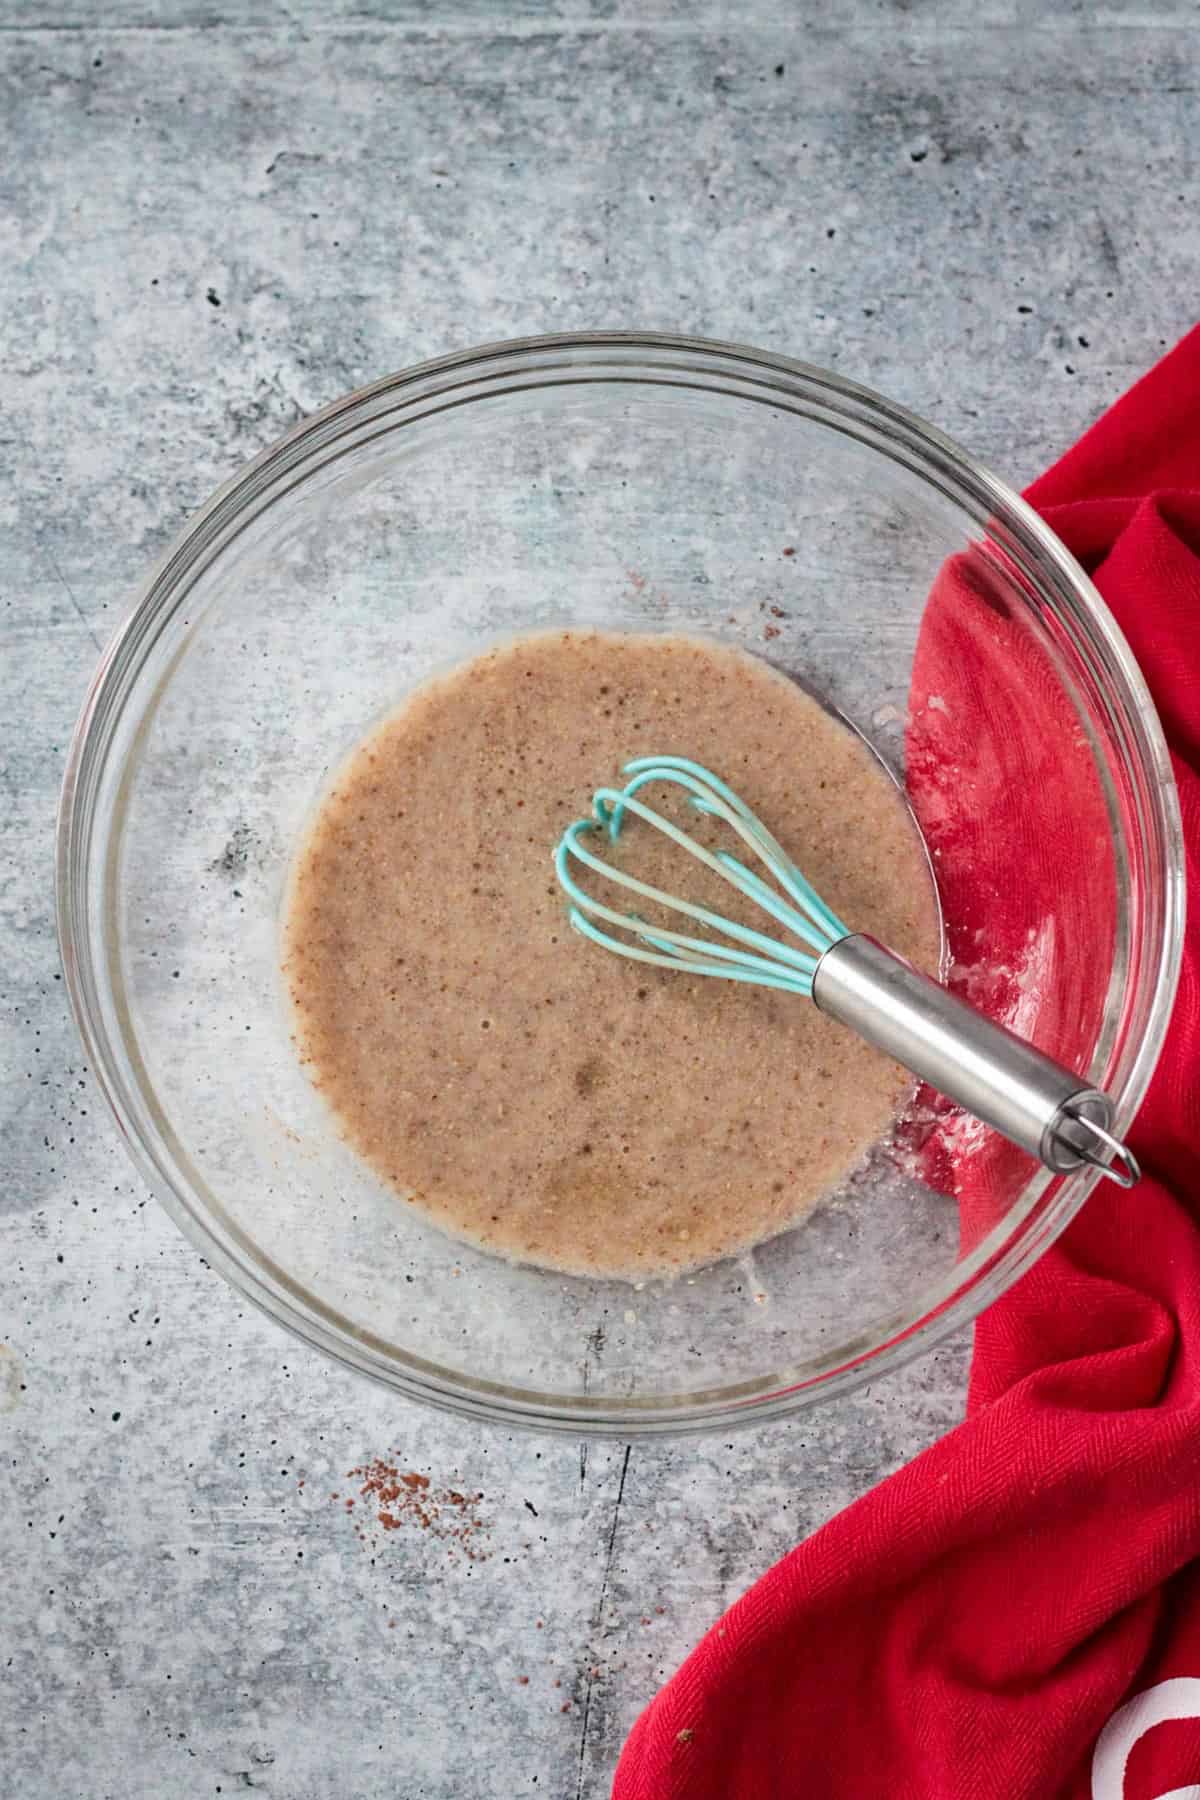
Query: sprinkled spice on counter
400,1498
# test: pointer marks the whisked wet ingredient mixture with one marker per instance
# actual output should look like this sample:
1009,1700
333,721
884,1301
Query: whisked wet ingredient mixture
528,1091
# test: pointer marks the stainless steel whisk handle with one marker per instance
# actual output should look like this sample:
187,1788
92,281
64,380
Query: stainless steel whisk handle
994,1074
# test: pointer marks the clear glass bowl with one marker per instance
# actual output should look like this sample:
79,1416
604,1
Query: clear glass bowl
640,482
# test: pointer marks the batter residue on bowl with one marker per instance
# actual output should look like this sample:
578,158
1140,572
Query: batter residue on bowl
529,1091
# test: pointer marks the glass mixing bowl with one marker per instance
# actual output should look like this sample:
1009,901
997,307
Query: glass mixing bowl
646,483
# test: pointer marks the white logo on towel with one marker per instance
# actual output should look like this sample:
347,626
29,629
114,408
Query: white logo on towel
1176,1699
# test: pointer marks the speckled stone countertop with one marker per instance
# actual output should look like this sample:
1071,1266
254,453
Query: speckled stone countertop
217,216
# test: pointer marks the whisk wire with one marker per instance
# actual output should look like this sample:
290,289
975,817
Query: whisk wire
585,902
710,795
766,960
742,966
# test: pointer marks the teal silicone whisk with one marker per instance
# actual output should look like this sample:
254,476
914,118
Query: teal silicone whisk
1000,1078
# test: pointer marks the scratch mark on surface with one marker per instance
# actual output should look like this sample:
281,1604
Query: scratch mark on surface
79,612
1108,250
599,1616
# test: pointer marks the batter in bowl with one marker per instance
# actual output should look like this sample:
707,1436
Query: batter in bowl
528,1091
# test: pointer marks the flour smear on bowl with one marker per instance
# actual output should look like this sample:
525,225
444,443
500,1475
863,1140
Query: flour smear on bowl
527,1090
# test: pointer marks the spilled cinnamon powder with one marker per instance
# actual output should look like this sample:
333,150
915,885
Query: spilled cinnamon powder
407,1498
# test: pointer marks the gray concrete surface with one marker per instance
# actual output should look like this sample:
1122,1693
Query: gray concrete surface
214,217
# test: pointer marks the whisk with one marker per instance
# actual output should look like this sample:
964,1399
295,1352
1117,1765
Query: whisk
999,1077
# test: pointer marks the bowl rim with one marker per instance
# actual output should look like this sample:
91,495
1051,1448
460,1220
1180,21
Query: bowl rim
1011,1248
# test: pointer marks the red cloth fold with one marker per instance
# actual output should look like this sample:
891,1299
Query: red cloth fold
1017,1613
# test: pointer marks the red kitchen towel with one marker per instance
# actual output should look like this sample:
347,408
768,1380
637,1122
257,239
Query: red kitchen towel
1017,1613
